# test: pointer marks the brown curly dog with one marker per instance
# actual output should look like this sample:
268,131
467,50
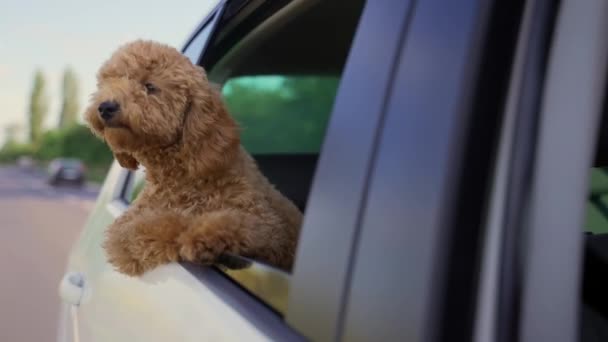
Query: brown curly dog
204,193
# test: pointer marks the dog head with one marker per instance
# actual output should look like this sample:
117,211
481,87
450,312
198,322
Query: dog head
149,97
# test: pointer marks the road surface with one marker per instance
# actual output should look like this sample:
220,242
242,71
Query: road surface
38,224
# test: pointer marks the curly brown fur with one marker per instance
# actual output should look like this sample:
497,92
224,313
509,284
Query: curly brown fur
204,193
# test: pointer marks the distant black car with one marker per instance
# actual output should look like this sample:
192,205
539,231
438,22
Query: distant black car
64,170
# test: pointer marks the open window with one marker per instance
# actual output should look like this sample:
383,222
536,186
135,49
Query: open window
278,64
279,80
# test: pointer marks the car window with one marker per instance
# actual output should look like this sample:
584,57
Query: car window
196,46
279,83
278,79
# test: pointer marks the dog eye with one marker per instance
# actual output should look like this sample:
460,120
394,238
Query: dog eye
150,88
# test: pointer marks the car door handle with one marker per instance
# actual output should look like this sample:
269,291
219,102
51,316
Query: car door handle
72,288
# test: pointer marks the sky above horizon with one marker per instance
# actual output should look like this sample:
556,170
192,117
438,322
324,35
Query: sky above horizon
51,35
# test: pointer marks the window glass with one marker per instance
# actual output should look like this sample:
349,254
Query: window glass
194,49
279,80
281,114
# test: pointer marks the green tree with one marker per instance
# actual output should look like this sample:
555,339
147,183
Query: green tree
76,141
10,133
70,105
38,107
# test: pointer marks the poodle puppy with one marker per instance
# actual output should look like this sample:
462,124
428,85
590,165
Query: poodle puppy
204,193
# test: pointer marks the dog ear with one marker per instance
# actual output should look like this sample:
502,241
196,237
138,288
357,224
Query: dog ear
210,136
126,160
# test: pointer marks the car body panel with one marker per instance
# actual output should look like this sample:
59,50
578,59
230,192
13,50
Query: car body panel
405,218
574,94
340,184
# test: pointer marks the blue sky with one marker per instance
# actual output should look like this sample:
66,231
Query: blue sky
51,35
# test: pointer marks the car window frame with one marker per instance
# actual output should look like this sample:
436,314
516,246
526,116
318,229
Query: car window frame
498,294
341,181
530,288
575,83
212,19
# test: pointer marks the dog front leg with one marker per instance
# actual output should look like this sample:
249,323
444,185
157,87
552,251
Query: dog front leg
144,241
236,232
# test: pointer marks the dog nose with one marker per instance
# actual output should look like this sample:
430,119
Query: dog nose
107,109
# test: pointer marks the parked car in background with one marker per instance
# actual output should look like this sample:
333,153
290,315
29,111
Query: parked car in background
66,171
441,153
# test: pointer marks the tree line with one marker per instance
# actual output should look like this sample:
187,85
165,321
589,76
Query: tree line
68,138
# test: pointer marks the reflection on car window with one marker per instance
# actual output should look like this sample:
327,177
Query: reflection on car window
194,49
281,114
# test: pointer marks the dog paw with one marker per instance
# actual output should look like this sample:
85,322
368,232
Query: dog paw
127,265
144,245
202,247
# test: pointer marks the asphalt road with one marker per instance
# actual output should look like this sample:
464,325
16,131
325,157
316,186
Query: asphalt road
39,223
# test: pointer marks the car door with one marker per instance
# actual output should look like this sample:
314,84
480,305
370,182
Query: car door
546,250
470,174
415,257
